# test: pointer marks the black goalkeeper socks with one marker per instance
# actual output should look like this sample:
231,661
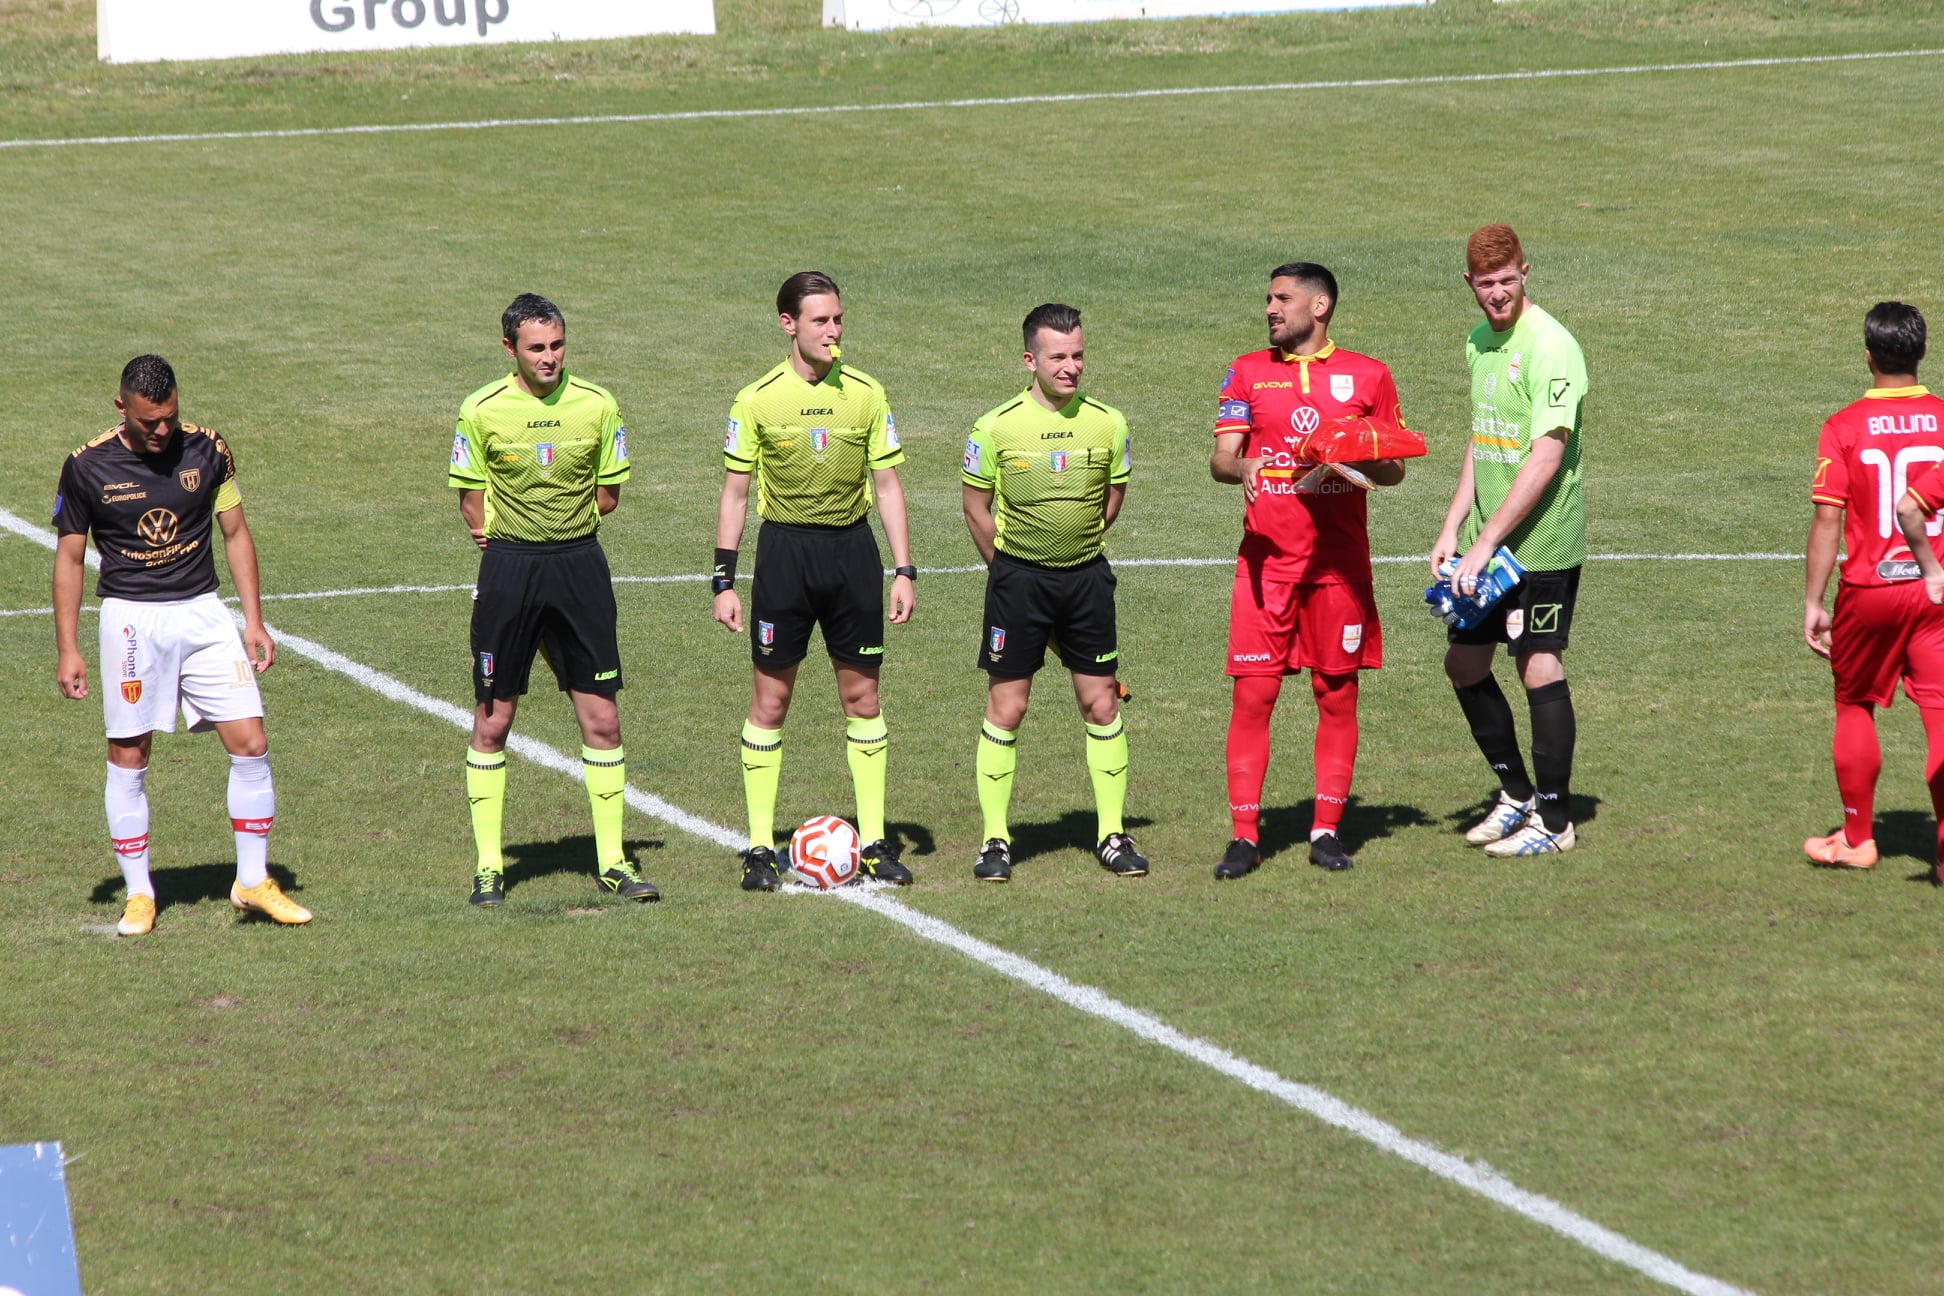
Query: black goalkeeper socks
1554,731
1490,716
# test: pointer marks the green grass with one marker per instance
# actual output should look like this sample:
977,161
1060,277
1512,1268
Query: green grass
1680,1030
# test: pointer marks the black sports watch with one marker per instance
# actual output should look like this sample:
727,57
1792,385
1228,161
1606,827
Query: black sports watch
907,571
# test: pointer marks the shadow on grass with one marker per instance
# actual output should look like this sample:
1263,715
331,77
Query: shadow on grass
914,839
1073,829
1908,834
1288,827
1585,809
537,859
192,884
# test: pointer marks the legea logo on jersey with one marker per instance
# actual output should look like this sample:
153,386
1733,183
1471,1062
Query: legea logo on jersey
819,439
190,478
544,452
997,640
1343,386
1305,419
1057,460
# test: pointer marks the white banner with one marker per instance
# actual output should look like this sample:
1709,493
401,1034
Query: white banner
145,31
875,15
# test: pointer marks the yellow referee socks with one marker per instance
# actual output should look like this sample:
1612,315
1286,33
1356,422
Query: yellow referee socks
1107,763
865,743
762,762
606,776
998,755
486,791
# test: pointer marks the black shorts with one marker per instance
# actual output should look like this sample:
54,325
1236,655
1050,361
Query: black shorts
1537,616
807,576
1026,605
554,597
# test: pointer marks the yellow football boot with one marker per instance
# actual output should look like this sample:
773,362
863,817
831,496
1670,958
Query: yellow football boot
138,916
266,897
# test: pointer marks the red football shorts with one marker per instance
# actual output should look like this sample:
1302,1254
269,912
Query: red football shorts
1883,633
1280,627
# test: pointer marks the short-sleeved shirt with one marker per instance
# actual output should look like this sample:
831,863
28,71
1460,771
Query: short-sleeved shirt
1870,452
812,446
1048,471
1274,398
152,516
538,458
1526,382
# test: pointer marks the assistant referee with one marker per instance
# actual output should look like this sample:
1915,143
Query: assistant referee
538,459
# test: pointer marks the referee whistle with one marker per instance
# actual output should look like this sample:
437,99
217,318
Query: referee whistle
836,352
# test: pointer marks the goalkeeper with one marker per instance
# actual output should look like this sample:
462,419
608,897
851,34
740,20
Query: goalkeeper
1519,487
1302,595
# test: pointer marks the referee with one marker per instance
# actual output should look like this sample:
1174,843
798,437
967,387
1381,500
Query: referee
1045,475
538,459
815,436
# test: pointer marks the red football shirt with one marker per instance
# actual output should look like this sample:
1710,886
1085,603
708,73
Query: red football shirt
1869,453
1274,398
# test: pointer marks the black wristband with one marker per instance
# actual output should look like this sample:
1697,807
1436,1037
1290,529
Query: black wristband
907,571
724,576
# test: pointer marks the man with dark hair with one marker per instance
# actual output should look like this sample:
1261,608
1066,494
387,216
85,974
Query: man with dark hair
1302,596
818,439
1519,487
149,490
1044,477
538,460
1887,625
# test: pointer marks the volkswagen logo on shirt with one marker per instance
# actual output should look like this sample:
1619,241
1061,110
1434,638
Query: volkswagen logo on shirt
1305,419
157,526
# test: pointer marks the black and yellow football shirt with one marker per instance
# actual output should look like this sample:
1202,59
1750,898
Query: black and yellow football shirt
539,459
812,446
1048,471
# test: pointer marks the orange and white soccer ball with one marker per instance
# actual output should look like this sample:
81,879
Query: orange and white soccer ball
823,852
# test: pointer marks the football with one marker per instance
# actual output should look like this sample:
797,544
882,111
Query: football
823,852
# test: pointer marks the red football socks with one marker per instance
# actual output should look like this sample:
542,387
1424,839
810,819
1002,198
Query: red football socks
1858,762
1248,750
1336,747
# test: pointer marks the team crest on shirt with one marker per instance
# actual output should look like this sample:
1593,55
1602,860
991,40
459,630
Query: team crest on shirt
131,691
1343,386
190,478
1512,370
1305,419
819,439
60,502
544,452
1491,384
1057,460
1515,623
1353,637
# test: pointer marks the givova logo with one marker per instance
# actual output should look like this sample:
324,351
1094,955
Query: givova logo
342,15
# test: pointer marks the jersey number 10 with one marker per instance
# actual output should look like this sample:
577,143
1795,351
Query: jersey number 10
1893,478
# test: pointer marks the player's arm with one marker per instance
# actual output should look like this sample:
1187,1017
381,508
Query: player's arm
1825,534
897,531
1384,472
1462,498
1541,465
240,550
731,513
1913,519
70,570
977,501
1110,507
472,507
1227,464
607,498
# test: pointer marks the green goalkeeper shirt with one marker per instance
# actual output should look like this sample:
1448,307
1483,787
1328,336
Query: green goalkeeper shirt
1527,382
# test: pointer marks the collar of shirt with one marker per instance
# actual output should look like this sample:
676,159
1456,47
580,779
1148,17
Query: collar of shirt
1303,362
1068,410
1894,393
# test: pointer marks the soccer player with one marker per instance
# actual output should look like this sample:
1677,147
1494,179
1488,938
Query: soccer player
1302,596
817,436
1045,475
152,490
1876,491
538,460
1519,486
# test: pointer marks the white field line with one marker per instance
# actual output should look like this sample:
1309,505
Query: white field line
720,114
1478,1178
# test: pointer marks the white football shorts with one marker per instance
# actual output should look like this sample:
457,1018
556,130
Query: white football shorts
156,656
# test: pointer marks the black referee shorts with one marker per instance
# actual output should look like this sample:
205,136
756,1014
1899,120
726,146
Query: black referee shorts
816,576
1026,605
1537,616
554,597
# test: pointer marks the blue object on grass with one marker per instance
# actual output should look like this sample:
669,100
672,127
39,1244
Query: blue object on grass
36,1235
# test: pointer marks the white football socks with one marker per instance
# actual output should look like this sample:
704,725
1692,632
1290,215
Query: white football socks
128,826
252,809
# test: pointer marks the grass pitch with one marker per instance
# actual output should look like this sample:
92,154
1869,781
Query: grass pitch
1680,1030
